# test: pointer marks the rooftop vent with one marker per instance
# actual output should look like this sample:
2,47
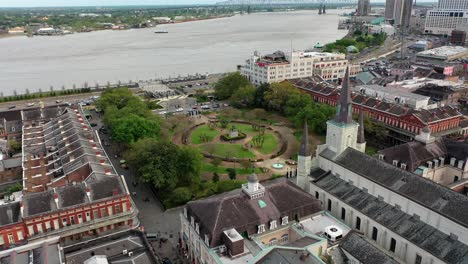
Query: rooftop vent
333,233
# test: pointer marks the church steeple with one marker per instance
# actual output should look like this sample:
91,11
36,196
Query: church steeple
305,148
360,136
344,111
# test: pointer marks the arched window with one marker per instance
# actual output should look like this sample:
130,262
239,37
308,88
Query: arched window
374,233
284,238
358,223
272,242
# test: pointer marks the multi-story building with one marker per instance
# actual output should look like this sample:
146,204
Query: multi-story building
446,17
442,55
410,217
280,66
402,120
70,188
259,224
389,9
441,160
364,8
399,11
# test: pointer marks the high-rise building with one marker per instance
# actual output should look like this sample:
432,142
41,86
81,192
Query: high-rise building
363,7
452,4
446,17
399,11
389,9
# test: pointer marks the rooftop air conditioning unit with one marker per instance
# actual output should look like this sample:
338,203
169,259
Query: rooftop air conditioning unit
130,253
124,252
333,233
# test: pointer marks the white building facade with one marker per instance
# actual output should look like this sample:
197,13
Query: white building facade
280,66
446,17
386,203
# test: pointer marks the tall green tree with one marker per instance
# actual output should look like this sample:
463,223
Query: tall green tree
228,85
244,96
278,95
164,164
131,128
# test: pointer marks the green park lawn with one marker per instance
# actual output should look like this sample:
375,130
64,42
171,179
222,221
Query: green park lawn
269,145
229,151
222,170
204,129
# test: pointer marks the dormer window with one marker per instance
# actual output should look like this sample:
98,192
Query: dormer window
395,162
192,221
207,241
261,229
284,220
272,224
197,228
403,166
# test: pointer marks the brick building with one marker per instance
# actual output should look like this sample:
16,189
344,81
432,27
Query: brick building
403,122
70,188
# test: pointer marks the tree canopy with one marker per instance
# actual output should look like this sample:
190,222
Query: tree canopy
228,85
164,164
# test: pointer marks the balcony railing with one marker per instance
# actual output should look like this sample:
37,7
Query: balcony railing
88,225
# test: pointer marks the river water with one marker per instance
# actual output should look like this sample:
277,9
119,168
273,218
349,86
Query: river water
209,46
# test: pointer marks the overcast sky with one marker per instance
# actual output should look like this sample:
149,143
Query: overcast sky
33,3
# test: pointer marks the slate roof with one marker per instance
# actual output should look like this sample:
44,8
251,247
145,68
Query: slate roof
363,250
235,210
105,187
329,90
409,227
10,213
73,195
38,203
287,256
415,153
423,191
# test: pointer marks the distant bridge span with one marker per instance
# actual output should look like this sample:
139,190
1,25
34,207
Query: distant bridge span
285,2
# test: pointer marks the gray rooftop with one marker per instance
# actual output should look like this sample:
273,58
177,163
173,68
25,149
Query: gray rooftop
288,256
407,226
421,190
363,250
236,210
10,213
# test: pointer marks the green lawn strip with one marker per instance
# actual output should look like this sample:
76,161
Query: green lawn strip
223,170
230,151
246,128
204,129
269,145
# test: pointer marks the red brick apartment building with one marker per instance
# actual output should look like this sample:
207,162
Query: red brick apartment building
70,188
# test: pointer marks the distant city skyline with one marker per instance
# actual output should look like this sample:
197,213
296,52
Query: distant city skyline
51,3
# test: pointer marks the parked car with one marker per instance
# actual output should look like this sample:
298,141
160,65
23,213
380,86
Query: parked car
152,236
12,106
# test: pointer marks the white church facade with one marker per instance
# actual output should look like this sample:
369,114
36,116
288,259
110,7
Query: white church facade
411,217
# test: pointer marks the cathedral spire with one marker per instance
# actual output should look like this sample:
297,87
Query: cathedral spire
344,111
360,137
304,150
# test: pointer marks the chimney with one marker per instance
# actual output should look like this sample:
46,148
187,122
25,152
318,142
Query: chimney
56,199
21,208
88,193
98,153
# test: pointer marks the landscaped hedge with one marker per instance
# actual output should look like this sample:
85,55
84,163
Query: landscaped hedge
226,137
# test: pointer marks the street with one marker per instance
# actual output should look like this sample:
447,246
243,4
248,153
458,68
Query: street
152,216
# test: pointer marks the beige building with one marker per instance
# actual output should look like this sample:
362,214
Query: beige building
280,66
